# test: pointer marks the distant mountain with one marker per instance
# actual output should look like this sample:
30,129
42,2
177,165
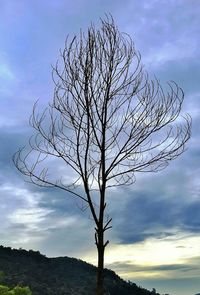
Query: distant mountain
59,276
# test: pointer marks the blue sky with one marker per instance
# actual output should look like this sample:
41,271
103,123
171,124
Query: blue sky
156,223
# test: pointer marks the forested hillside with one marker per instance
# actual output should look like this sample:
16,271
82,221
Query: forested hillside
58,276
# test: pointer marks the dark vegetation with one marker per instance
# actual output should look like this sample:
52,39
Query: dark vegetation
59,276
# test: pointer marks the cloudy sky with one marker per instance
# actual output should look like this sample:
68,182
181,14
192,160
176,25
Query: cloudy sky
155,240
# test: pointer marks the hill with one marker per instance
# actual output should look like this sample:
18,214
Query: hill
59,276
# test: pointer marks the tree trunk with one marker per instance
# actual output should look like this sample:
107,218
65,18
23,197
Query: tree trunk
100,269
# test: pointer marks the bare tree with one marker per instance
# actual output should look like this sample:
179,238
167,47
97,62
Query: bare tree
107,121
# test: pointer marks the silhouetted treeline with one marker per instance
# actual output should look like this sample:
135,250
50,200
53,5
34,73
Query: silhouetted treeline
60,276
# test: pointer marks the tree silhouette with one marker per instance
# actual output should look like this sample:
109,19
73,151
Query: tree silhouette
106,122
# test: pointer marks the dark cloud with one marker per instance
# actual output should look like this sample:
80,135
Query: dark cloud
188,266
11,140
144,216
180,71
157,212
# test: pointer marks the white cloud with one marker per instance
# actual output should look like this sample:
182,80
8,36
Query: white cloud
31,217
170,51
6,73
20,213
8,78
